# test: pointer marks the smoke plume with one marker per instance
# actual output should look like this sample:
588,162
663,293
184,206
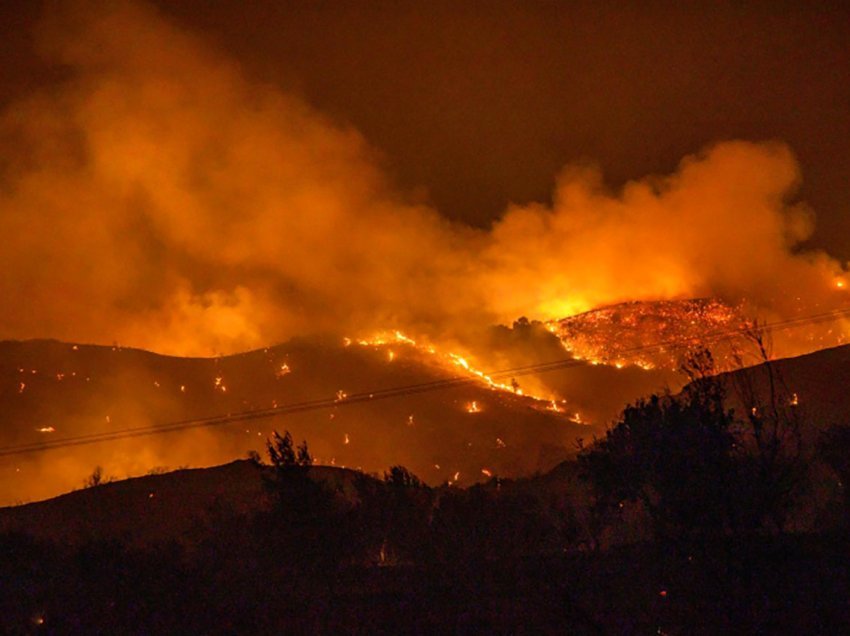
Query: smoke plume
160,199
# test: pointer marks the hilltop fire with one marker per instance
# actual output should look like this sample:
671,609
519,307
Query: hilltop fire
657,334
647,334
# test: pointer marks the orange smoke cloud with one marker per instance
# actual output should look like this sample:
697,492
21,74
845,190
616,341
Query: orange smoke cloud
160,199
720,226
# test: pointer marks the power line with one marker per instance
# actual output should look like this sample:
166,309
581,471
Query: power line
400,391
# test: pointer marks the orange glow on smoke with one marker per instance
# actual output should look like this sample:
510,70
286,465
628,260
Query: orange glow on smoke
197,212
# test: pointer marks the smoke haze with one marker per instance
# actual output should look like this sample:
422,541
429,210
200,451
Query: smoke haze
160,199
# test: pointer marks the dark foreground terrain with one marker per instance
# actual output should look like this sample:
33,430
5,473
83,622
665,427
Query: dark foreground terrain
723,509
264,556
796,585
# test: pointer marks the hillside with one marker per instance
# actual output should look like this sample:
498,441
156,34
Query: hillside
815,383
140,510
51,390
175,506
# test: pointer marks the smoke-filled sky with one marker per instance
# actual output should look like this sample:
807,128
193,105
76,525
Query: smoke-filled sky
209,177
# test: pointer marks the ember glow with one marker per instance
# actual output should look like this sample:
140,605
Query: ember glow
656,334
629,334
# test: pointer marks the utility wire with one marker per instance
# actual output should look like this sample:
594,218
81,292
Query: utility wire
400,391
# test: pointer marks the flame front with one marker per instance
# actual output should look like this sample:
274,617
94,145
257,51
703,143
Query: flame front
450,360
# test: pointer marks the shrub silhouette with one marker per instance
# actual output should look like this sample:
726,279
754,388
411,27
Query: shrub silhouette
309,528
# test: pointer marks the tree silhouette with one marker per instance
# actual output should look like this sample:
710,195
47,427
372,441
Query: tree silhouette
772,457
393,515
309,527
834,450
671,454
673,457
283,455
95,479
692,465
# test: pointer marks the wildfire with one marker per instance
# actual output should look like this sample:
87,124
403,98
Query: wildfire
448,359
283,370
46,429
629,334
461,362
472,407
655,334
464,364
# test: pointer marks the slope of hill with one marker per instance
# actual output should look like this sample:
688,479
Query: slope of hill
140,510
653,334
174,506
627,333
51,390
815,384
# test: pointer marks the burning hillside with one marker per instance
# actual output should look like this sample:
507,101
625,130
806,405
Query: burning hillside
508,404
647,334
656,334
327,391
